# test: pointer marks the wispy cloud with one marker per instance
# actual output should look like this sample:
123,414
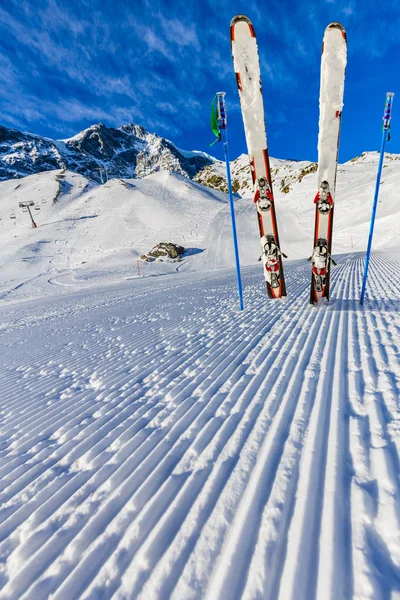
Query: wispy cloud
180,34
348,10
63,65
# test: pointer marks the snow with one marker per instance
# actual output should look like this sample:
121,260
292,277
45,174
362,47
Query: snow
192,153
246,63
333,67
157,443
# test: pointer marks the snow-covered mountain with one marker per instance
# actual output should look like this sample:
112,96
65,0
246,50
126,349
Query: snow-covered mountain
101,153
284,174
87,230
98,153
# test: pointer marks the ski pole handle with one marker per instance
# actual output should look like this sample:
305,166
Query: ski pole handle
387,115
222,120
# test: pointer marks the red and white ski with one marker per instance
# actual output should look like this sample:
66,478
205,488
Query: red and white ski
247,69
333,68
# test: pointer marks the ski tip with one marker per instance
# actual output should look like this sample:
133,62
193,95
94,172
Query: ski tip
336,25
241,19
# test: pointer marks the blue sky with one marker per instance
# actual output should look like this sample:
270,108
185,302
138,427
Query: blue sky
158,63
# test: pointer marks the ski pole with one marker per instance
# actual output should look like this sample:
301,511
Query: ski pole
222,125
385,135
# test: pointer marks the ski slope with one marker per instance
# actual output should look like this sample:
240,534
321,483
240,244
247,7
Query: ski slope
156,443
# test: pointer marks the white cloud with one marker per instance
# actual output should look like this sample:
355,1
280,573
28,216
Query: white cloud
180,33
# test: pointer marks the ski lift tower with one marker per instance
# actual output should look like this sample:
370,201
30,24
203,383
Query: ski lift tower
27,205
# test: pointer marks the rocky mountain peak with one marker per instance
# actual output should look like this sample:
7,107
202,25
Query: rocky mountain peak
97,152
136,130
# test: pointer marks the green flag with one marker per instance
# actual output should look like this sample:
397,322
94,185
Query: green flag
214,120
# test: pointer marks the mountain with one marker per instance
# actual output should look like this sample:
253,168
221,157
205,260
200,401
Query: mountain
285,173
101,153
98,153
88,231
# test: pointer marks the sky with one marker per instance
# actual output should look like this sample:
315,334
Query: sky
67,65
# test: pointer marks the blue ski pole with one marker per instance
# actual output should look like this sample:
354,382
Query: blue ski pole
222,127
385,135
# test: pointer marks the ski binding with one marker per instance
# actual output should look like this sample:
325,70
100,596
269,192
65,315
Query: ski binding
323,199
270,256
320,257
263,196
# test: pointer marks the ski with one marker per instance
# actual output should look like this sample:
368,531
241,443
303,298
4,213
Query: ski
333,68
247,69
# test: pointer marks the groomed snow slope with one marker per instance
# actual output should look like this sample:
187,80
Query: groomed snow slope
156,443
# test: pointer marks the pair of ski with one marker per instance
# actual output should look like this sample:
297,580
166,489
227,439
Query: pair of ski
247,70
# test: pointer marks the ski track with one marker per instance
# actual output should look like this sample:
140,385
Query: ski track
160,444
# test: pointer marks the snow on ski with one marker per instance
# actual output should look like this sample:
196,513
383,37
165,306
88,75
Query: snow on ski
333,67
247,70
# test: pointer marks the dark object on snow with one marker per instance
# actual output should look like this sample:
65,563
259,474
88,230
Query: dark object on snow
167,249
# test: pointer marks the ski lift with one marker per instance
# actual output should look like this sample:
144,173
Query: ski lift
37,207
24,210
12,216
